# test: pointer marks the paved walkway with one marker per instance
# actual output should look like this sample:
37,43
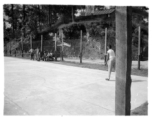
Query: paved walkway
42,88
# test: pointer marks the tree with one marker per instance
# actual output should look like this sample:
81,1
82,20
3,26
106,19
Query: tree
34,20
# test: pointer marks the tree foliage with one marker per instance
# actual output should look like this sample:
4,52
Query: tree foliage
30,20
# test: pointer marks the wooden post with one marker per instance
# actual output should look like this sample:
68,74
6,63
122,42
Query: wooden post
15,49
31,42
80,46
62,44
10,49
41,43
72,15
22,45
15,52
139,42
55,42
55,48
123,60
105,46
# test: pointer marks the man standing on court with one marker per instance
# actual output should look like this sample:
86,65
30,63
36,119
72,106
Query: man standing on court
111,60
32,53
37,54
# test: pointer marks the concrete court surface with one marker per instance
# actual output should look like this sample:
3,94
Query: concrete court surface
46,88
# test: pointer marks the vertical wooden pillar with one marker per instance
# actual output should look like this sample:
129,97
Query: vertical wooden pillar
105,46
15,52
22,45
139,42
123,60
41,43
15,48
10,49
31,42
55,48
62,44
55,43
80,46
72,15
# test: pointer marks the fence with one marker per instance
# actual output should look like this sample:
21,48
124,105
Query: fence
69,49
72,50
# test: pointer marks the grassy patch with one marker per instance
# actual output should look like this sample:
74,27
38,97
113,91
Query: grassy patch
142,72
141,110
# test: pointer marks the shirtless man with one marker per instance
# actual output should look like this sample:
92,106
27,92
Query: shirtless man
32,53
37,54
111,61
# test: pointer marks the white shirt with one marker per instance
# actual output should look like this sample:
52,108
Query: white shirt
111,53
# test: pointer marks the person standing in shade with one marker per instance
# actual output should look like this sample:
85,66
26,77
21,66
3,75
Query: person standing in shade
110,60
32,53
37,54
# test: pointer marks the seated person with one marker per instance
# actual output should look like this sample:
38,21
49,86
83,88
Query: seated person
50,56
44,56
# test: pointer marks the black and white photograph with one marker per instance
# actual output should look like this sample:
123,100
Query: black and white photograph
75,59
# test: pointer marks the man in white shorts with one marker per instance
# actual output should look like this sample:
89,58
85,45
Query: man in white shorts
111,61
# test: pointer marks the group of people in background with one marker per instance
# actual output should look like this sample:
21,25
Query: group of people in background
47,56
41,55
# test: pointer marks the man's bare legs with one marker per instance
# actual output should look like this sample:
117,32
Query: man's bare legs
111,64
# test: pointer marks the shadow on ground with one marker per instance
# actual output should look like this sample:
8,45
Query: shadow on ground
132,80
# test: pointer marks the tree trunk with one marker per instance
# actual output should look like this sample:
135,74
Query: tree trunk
49,15
39,17
23,30
12,10
72,15
23,21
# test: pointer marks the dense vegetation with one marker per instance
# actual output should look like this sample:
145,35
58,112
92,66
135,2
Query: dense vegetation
24,21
